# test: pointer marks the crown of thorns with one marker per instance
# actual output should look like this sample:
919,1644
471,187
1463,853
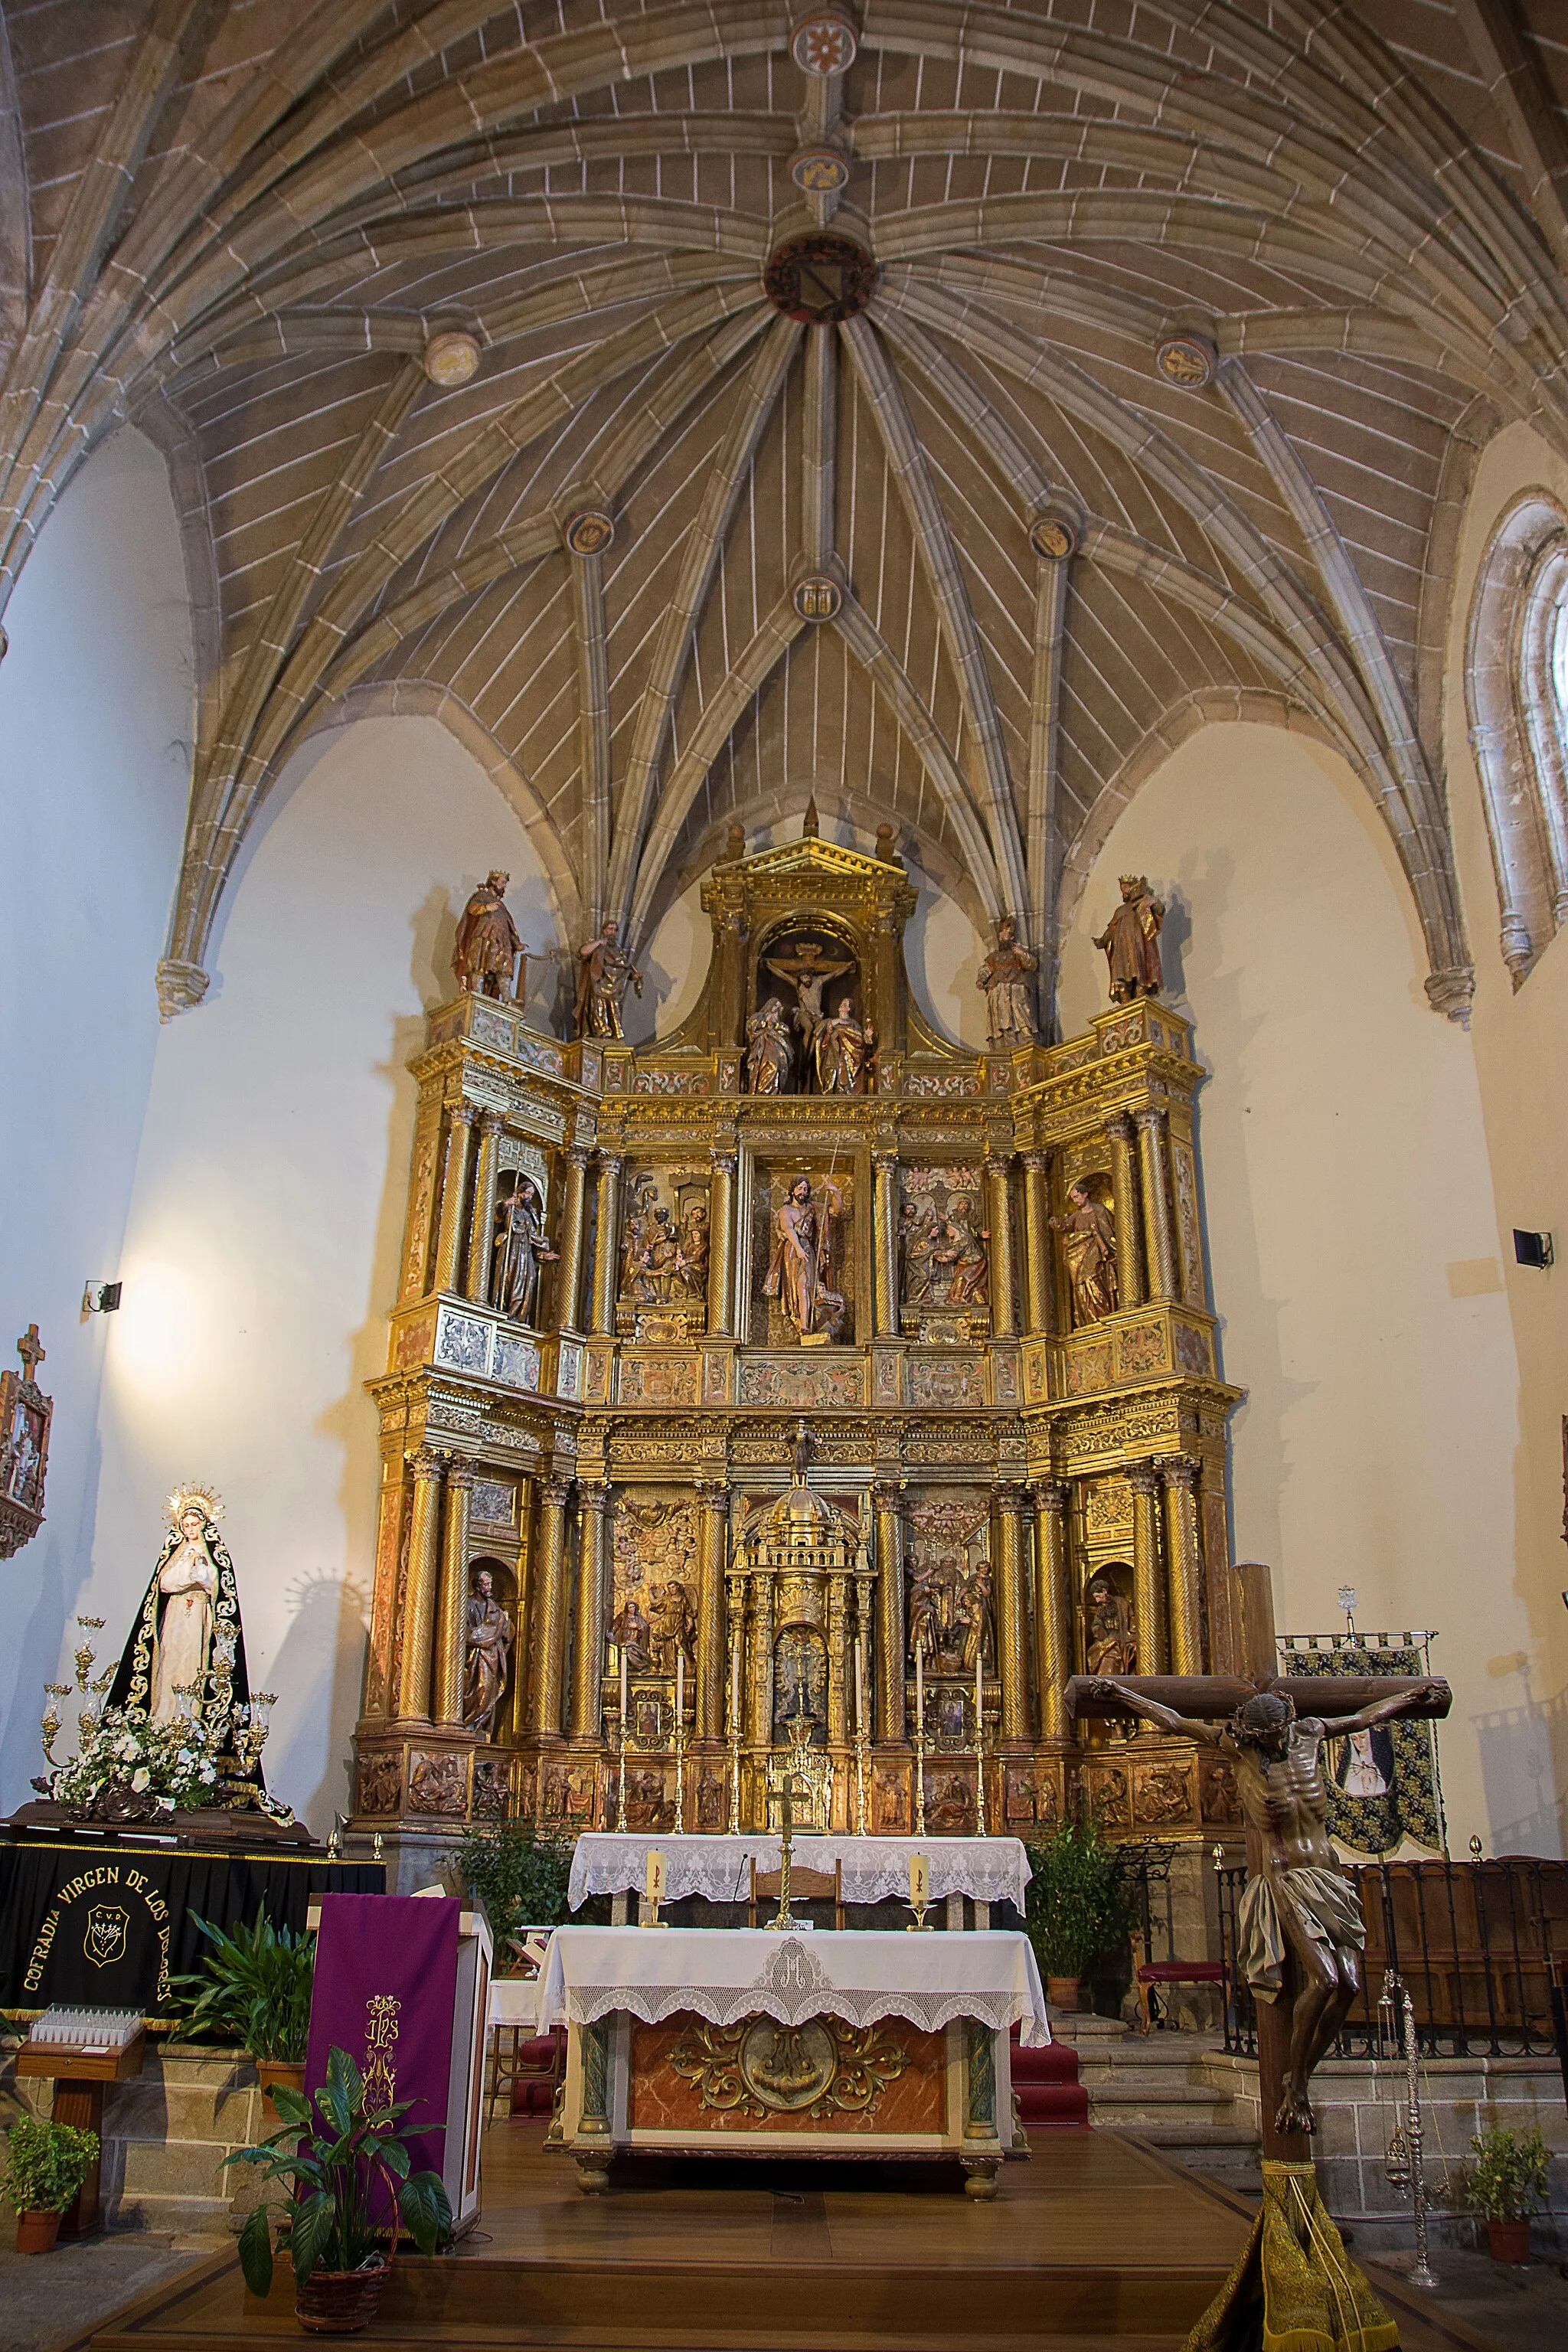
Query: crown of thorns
1255,1716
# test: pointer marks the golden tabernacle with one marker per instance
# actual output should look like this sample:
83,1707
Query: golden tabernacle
799,1393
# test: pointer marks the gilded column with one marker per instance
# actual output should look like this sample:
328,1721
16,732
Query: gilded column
890,1616
1053,1619
452,1603
605,1250
840,1653
759,1697
588,1650
1036,1243
419,1588
885,1225
1159,1239
482,1223
1125,1195
1148,1572
1185,1562
573,1219
1004,1286
712,1526
721,1246
550,1610
454,1193
380,1698
1012,1663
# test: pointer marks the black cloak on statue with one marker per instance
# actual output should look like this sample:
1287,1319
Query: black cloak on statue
132,1684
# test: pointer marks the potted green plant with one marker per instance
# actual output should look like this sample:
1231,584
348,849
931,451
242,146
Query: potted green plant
520,1873
1074,1905
1505,2185
340,2251
254,1989
46,2164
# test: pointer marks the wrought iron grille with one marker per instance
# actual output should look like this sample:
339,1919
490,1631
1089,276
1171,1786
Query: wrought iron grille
1475,1942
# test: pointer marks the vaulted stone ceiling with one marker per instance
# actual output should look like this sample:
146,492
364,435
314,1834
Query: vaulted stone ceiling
254,227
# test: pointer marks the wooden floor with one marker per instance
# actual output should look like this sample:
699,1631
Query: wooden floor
1095,2240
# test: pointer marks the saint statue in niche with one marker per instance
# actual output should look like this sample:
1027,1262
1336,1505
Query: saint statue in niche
801,1264
1131,941
692,1260
1109,1645
1090,1244
489,1640
961,1250
1007,977
518,1251
770,1050
629,1632
606,973
485,955
841,1049
673,1626
800,1678
192,1597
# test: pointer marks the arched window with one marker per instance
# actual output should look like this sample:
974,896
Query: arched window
1516,697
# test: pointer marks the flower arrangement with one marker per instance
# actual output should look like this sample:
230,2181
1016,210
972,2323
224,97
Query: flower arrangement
131,1767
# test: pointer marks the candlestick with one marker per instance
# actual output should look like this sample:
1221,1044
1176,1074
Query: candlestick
680,1743
919,1745
621,1782
859,1737
734,1740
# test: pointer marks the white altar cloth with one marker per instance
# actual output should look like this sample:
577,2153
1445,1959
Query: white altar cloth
989,1870
727,1973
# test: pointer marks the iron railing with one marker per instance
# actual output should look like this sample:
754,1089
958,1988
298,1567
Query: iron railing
1475,1943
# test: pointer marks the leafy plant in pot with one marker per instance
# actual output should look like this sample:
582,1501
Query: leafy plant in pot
520,1873
46,2164
1505,2185
341,2253
254,1989
1074,1905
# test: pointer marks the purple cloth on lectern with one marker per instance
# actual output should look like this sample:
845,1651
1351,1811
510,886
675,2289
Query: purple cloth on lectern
385,1986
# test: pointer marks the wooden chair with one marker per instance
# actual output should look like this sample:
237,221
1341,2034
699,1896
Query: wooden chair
805,1887
1148,1974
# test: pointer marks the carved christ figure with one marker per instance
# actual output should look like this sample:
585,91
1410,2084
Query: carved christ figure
808,972
490,1638
1090,1244
1131,941
803,1251
485,954
606,973
1299,1899
1006,976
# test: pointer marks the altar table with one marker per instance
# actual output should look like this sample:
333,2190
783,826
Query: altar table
746,2042
610,1862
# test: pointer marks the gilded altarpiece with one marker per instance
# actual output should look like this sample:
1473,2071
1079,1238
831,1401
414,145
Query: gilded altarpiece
632,1273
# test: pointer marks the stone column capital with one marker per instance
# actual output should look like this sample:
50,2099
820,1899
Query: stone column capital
1148,1115
461,1474
1181,1470
593,1494
1143,1478
1051,1495
887,1496
491,1122
1037,1162
1011,1499
464,1113
556,1491
723,1163
609,1163
427,1463
578,1155
1119,1129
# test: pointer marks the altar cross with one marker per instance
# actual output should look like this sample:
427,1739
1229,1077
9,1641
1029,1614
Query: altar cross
31,1354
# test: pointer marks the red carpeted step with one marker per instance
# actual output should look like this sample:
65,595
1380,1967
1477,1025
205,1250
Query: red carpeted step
1046,2085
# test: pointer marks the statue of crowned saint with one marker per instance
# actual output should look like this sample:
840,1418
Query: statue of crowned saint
184,1660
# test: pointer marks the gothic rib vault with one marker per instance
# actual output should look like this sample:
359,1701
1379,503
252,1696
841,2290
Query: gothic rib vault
1182,326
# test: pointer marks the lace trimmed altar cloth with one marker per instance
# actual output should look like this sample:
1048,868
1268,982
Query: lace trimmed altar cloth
727,1973
988,1870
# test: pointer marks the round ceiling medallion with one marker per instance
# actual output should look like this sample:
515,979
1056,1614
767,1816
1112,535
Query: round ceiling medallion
824,45
1186,360
451,357
819,279
590,532
1054,536
817,597
819,171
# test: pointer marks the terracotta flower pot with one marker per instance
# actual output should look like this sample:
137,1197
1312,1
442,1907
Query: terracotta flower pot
36,2232
278,2070
1510,2240
1063,1993
339,2303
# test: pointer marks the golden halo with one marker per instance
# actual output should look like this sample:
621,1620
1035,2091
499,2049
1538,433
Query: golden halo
192,1497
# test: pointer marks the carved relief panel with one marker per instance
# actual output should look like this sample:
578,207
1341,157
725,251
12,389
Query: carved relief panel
662,1288
944,1266
950,1619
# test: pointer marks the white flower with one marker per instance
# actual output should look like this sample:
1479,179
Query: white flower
185,1757
141,1779
128,1749
209,1771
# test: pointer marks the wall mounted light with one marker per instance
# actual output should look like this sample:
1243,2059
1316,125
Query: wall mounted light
101,1298
1532,1249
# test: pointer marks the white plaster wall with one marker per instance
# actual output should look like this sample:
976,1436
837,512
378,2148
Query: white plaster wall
1520,1042
97,703
1351,1229
261,1251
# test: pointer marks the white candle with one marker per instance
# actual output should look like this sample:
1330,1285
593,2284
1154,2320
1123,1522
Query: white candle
979,1703
735,1690
680,1691
859,1687
920,1690
623,1695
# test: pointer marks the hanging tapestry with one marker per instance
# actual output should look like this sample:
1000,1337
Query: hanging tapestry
1383,1784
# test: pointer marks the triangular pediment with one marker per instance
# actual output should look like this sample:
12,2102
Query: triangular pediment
814,855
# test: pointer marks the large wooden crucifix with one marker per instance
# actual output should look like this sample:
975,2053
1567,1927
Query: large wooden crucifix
1299,1937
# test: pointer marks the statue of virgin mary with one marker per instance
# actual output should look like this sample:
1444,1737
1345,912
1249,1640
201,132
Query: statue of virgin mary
192,1598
